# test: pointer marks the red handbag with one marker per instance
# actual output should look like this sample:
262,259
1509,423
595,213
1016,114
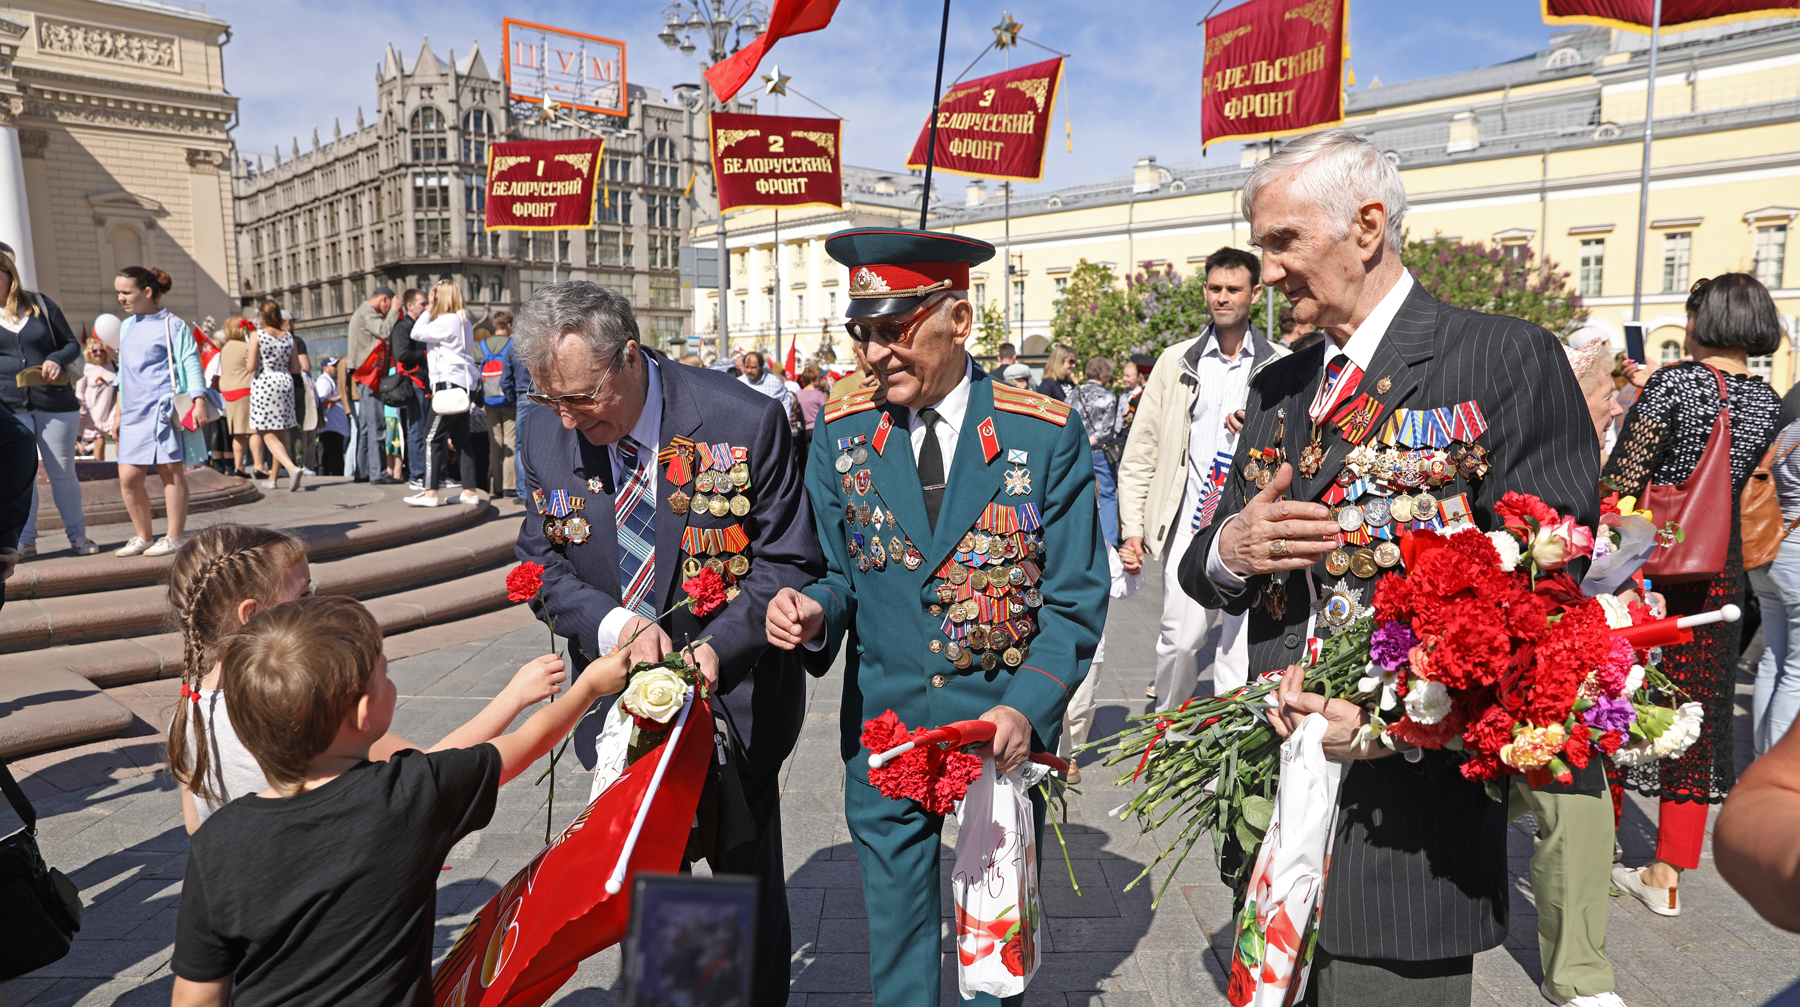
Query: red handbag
1701,506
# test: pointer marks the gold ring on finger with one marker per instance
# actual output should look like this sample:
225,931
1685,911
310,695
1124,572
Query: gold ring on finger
1278,548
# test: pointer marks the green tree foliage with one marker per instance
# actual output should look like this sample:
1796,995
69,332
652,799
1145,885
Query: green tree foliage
1171,308
1469,274
990,328
1096,315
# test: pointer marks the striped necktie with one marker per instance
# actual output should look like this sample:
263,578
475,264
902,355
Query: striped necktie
635,509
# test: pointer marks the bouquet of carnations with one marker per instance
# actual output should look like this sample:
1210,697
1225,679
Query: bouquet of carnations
1484,647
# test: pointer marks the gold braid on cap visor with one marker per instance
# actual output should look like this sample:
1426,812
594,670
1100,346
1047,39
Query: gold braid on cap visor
864,284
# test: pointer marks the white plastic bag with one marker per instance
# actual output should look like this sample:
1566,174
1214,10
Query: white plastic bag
611,750
1273,953
999,915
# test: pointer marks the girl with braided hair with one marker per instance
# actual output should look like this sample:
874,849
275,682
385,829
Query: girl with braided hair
224,575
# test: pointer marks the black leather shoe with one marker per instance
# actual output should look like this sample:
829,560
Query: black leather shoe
384,480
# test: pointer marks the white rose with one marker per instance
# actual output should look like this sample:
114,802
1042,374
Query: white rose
1507,547
1427,702
655,694
1618,614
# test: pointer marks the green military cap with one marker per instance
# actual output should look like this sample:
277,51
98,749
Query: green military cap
893,269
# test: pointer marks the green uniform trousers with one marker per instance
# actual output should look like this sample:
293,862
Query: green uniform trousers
1571,871
897,848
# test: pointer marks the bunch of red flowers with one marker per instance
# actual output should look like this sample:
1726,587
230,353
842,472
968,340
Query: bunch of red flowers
1502,663
929,775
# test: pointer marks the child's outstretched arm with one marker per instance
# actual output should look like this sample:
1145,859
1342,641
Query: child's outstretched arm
546,727
537,680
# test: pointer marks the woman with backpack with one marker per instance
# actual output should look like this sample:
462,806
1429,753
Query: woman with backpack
493,356
449,337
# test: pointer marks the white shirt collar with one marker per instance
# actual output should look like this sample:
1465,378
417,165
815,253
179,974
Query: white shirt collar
648,428
1210,343
954,405
1368,335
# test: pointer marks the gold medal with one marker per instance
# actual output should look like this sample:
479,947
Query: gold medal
678,503
1387,555
1425,507
989,662
1401,508
936,646
690,568
1337,562
1012,657
1362,563
1339,609
1311,457
740,505
946,593
740,565
715,564
979,580
978,637
740,475
959,574
718,506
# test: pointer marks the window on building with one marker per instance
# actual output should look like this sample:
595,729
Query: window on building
475,195
318,303
769,308
431,236
605,248
1669,353
799,255
713,325
337,298
127,248
743,311
831,311
665,291
481,244
426,147
1763,367
1771,255
496,288
1515,250
667,330
1062,288
1592,264
1676,247
474,288
664,252
1018,302
799,307
980,292
477,131
431,191
259,277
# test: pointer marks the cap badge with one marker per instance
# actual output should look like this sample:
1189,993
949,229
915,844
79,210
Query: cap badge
864,281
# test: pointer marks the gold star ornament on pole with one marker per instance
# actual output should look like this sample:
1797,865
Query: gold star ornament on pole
1006,33
774,82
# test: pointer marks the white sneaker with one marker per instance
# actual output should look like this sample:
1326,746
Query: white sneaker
1661,901
1607,999
423,500
84,547
469,498
164,546
135,547
27,550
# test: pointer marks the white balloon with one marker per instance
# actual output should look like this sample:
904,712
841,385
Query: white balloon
106,329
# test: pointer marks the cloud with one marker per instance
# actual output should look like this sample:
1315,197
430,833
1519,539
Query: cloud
1130,88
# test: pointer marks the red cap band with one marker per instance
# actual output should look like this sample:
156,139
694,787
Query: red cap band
909,279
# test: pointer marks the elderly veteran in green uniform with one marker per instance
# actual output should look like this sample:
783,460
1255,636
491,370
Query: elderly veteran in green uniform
963,558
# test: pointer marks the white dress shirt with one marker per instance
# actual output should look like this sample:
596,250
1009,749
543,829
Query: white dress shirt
951,408
648,433
1223,385
1361,350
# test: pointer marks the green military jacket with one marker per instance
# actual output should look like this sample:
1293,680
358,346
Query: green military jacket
1003,604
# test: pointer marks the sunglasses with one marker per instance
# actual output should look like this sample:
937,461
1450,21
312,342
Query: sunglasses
892,333
586,401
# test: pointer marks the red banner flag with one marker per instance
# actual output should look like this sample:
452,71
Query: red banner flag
996,126
790,17
777,160
1677,15
542,185
1273,68
529,939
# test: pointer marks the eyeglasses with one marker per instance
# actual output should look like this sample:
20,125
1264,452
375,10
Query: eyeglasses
896,333
587,401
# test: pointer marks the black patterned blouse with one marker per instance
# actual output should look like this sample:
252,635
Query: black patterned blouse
1666,430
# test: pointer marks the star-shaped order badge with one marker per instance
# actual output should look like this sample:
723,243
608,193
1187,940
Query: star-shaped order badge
1018,482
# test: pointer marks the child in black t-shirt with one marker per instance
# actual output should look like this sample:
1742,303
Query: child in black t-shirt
323,888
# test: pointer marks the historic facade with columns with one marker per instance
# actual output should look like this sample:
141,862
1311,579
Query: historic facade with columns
114,151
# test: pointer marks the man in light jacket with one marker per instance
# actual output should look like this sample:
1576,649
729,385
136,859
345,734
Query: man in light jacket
1174,464
369,326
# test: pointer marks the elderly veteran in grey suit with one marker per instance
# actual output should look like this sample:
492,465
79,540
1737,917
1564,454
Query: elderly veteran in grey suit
1418,875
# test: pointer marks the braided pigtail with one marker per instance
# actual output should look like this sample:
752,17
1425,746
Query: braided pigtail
215,572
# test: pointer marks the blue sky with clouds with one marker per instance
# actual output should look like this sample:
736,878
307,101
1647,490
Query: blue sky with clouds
1132,87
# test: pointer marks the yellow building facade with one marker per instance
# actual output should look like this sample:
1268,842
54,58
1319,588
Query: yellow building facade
1542,153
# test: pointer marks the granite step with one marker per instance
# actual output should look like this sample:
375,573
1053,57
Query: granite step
30,624
51,708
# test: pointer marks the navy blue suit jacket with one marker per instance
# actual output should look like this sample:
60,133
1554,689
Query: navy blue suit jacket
762,688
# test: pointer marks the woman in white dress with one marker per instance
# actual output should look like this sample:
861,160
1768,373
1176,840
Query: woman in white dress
450,360
271,359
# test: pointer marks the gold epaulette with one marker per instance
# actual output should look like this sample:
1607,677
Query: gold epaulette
1030,403
855,402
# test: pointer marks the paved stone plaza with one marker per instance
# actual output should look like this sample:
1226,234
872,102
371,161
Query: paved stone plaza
113,822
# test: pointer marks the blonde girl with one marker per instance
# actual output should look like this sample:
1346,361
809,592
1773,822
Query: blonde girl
450,359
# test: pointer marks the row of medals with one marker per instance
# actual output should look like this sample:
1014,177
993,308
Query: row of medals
716,493
1007,579
1402,470
874,555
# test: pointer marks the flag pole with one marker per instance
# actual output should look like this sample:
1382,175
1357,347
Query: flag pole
1637,279
937,88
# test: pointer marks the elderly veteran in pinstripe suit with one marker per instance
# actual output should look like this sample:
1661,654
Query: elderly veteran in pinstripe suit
1418,879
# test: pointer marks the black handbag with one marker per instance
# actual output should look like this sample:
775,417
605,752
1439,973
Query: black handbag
397,387
40,908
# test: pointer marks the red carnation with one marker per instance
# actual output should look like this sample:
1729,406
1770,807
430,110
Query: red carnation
707,589
524,581
1242,985
1490,732
1429,735
1481,768
1576,748
1516,508
1012,953
936,779
1610,741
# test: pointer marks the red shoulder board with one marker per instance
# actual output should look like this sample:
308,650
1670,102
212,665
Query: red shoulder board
1029,403
853,403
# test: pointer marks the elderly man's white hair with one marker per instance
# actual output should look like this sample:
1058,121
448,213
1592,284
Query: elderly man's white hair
1336,171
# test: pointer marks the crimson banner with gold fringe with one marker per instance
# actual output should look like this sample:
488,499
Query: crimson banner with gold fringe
777,160
995,126
1273,68
542,185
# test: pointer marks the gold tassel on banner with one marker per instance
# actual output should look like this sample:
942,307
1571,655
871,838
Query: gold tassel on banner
1068,133
689,191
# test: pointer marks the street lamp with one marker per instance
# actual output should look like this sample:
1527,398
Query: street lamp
713,20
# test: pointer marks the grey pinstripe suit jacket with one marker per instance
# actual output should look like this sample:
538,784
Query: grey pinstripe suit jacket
1419,868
